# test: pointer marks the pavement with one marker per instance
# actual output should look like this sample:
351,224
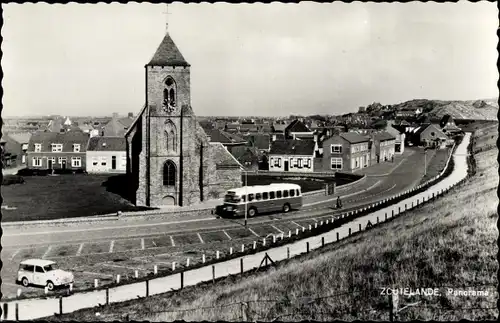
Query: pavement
32,309
92,248
12,171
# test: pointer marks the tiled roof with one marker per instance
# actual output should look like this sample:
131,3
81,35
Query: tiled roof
382,136
223,137
168,54
260,141
297,126
67,139
107,144
279,127
126,122
114,128
20,137
353,137
292,147
245,154
223,157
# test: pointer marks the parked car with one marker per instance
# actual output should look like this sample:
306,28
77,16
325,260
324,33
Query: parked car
42,273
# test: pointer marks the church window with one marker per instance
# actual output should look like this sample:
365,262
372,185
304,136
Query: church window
169,94
169,173
170,136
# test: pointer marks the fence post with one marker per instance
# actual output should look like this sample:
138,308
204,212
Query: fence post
289,233
393,306
213,274
136,274
147,287
217,254
96,283
264,241
182,279
274,238
155,269
406,207
107,296
242,247
241,266
359,226
392,212
337,236
17,311
187,261
418,202
230,250
307,246
18,292
118,278
310,227
349,231
316,225
254,245
60,305
322,241
287,252
297,232
399,210
173,265
46,290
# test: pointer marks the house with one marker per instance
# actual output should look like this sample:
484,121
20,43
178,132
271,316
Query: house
248,157
298,130
399,146
232,127
346,152
228,140
278,130
292,156
106,155
261,142
430,135
384,144
16,147
246,128
116,127
448,125
56,150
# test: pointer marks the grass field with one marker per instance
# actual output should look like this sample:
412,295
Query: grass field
64,196
448,243
436,164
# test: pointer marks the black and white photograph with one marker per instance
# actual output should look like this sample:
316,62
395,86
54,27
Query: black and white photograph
244,162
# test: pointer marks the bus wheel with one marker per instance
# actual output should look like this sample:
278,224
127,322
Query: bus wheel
252,212
286,208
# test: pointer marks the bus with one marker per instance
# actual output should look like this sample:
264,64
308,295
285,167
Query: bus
261,199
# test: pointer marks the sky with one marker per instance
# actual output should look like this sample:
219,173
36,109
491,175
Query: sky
248,59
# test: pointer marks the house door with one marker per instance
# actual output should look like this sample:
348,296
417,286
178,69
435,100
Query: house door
63,164
378,158
50,163
286,165
113,162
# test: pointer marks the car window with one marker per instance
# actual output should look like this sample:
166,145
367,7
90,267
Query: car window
39,269
49,268
258,196
29,268
250,197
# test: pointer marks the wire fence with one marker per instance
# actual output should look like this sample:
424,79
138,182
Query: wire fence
367,304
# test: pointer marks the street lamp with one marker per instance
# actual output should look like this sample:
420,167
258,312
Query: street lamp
246,193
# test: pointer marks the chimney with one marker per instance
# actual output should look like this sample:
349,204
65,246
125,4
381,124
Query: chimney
115,115
130,115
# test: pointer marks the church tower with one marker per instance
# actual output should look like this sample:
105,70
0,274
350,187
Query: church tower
170,160
168,103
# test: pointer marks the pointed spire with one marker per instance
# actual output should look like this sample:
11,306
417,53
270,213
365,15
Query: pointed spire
168,54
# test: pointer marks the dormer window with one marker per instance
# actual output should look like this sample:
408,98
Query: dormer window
76,148
57,148
38,148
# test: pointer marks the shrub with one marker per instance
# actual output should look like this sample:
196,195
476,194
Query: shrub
12,179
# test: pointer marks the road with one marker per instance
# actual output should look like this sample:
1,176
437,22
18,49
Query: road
91,245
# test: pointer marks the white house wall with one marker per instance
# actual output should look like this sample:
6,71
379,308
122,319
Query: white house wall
291,161
107,156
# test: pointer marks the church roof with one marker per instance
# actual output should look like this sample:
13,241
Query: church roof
167,54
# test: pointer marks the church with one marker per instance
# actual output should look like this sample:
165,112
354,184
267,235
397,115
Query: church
170,159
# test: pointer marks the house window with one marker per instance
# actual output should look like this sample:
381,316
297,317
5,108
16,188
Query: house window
299,162
308,165
57,148
37,161
433,133
169,173
76,162
103,161
38,148
24,147
336,163
76,148
60,160
94,161
23,159
336,149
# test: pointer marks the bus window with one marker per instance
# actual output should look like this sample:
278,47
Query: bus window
265,196
292,192
243,198
250,197
271,195
278,194
285,193
298,192
258,196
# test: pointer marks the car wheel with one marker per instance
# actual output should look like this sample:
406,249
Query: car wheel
286,208
50,285
25,282
252,212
